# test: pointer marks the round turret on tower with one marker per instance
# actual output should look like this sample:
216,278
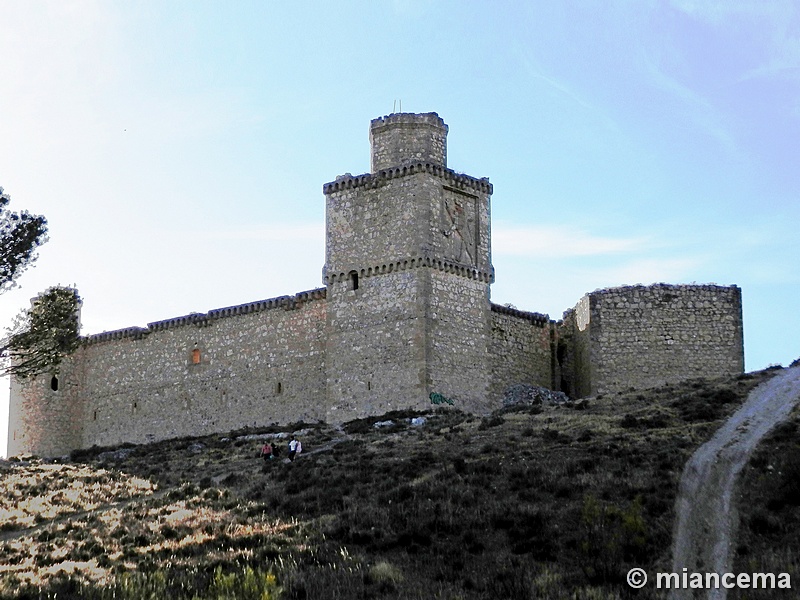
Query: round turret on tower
402,138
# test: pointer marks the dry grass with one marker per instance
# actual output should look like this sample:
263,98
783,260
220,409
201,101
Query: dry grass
528,503
34,492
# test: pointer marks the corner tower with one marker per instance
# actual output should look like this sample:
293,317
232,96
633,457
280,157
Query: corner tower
408,268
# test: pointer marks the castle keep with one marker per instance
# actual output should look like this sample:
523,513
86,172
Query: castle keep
405,314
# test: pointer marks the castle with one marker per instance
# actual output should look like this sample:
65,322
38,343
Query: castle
404,320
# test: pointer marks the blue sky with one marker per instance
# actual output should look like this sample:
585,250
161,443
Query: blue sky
178,149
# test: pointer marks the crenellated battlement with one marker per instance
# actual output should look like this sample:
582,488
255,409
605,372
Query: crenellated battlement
413,263
539,319
205,319
374,180
402,138
678,287
403,118
118,334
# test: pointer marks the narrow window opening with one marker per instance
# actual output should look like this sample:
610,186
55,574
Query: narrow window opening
354,280
15,435
278,388
135,406
54,383
94,417
196,356
369,385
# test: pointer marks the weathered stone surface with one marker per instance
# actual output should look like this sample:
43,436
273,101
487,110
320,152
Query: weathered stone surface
404,321
642,336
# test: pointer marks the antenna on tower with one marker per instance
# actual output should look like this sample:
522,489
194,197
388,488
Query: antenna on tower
394,105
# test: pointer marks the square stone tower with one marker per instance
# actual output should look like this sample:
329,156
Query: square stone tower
408,268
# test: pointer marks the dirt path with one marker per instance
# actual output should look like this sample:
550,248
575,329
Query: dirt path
706,517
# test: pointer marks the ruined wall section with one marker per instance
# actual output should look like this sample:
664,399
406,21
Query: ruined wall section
647,336
574,350
519,349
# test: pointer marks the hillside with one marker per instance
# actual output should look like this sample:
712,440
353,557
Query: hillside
553,501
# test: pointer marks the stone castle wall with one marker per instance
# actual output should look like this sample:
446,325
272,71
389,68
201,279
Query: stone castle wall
573,352
520,350
643,336
43,420
376,345
256,364
405,313
458,340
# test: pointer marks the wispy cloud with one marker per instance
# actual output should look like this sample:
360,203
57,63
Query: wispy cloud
700,109
776,20
547,241
537,71
720,12
276,233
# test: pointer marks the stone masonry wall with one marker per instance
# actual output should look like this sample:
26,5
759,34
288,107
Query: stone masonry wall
407,268
573,352
403,137
519,350
376,345
405,313
458,342
43,420
646,336
372,226
257,364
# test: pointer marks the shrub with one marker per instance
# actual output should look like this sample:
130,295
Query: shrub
385,576
610,535
489,422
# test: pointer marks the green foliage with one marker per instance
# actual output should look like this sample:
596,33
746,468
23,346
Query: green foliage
43,334
20,235
179,584
610,536
244,585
